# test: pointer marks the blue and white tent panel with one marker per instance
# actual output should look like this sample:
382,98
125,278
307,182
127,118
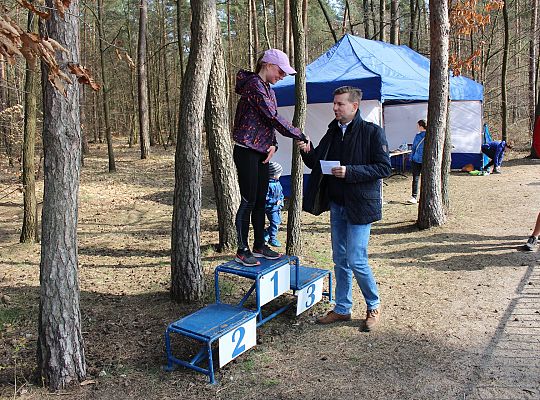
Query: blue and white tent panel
465,126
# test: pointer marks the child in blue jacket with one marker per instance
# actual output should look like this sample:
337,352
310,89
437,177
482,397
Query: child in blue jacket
274,204
495,151
416,159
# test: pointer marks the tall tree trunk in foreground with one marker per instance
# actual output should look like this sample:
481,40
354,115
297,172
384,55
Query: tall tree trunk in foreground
142,83
431,211
294,233
220,149
187,280
60,350
29,227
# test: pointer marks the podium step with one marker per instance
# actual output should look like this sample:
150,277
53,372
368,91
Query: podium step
234,326
306,276
213,321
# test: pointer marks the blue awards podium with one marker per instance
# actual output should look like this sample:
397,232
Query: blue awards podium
234,327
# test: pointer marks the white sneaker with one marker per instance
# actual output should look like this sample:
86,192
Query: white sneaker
413,200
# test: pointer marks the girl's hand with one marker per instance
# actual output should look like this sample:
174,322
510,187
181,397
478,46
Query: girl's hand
304,146
271,150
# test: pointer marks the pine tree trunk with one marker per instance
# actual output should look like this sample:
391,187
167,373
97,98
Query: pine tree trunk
382,20
251,38
276,27
394,21
367,30
413,27
431,211
294,232
142,83
533,40
504,73
446,163
180,29
105,89
255,19
265,27
187,280
220,150
286,26
60,351
29,227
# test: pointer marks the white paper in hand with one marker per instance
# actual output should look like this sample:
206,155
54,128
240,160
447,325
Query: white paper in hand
326,166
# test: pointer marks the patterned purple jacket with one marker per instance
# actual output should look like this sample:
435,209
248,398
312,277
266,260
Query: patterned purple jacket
256,114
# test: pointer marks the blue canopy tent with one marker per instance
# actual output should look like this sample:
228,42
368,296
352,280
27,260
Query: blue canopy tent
395,85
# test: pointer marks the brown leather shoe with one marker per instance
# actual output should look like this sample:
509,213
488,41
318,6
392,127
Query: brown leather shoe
332,317
373,317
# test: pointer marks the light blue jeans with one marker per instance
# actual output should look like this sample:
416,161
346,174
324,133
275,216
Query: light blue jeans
349,249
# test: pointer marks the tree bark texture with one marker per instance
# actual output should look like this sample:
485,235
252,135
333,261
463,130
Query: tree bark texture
60,353
29,227
294,232
220,149
431,210
142,82
446,163
187,280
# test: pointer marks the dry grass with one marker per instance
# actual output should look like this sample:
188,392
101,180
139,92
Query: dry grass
458,300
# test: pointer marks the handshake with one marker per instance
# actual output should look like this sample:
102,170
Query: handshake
304,145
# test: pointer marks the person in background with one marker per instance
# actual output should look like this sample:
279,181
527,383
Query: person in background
532,242
254,134
416,159
352,193
274,204
495,151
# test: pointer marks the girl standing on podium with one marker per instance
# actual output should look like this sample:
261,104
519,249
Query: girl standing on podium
416,159
255,143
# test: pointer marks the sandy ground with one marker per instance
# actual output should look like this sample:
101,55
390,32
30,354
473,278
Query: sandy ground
461,303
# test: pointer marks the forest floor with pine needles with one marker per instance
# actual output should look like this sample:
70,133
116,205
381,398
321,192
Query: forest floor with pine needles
461,303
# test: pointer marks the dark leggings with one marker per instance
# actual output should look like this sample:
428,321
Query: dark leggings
253,182
416,169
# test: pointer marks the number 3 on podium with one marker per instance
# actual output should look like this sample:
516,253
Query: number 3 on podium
309,296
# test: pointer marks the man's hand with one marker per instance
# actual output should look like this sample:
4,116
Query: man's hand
339,172
271,150
303,146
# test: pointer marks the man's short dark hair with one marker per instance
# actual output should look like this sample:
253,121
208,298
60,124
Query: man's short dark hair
355,94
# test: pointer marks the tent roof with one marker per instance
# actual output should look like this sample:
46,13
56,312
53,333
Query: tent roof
383,71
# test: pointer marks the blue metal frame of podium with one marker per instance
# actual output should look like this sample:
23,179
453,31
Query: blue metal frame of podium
217,320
